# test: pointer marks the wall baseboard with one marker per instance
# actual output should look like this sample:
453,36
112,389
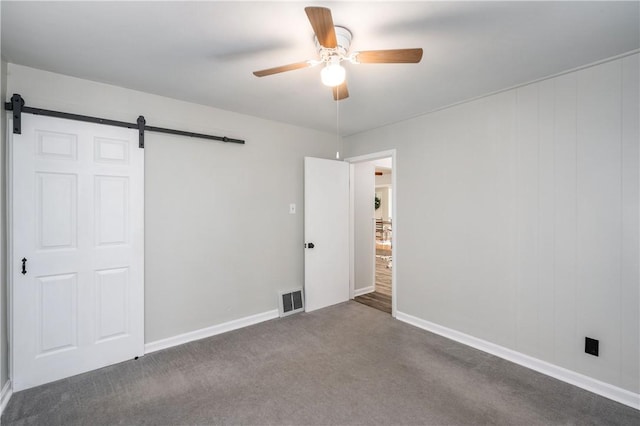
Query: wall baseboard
209,331
364,290
590,384
5,395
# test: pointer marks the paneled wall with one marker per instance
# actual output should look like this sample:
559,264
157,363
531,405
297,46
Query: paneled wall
518,218
577,175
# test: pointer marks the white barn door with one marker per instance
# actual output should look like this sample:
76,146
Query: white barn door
77,248
326,232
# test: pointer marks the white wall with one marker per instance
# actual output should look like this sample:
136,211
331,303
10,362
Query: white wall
385,202
383,187
364,224
384,179
4,366
218,246
519,218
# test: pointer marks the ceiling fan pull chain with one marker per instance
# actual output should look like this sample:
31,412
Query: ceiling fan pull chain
338,124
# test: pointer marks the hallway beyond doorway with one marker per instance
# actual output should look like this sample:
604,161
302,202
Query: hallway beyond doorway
380,299
373,278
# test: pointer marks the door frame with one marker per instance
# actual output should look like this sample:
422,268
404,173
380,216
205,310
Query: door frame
394,234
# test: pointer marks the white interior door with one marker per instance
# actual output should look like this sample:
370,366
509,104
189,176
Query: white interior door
77,217
326,226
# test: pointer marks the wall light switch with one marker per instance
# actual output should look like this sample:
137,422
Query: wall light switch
292,208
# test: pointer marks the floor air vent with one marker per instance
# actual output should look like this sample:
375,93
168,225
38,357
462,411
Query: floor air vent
291,302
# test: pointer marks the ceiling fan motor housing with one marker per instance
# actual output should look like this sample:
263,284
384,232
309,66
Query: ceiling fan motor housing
343,39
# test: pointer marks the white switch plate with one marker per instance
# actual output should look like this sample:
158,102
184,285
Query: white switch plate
292,208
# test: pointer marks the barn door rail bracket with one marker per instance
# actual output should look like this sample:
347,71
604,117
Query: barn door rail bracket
18,107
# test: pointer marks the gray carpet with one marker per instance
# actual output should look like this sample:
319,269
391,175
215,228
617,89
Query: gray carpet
344,365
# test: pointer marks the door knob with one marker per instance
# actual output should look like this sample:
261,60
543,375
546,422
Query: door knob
309,245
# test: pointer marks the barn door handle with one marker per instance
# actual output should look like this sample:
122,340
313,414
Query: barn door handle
24,265
310,245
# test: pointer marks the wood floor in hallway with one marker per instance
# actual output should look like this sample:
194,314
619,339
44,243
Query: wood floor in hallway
381,298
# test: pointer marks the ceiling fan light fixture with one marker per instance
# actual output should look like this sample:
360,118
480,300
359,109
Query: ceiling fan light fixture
333,43
333,74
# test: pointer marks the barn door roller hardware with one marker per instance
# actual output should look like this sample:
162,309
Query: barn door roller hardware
17,106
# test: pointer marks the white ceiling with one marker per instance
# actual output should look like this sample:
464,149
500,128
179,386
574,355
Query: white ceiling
205,52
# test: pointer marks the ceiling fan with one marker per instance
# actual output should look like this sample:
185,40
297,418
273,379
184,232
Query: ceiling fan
333,44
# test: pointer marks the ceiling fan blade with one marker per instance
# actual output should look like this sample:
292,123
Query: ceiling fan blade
322,23
392,56
340,92
283,68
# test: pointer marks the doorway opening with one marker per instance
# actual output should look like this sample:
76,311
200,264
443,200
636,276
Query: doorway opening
373,242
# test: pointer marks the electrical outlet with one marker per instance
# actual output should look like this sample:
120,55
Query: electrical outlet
591,346
292,208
